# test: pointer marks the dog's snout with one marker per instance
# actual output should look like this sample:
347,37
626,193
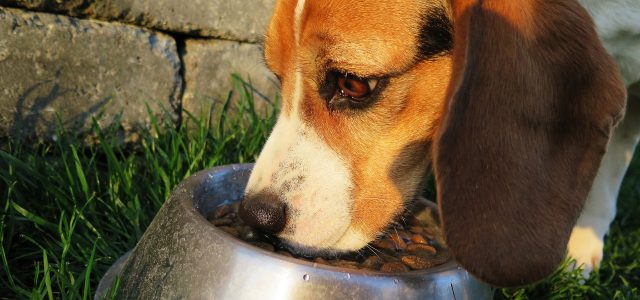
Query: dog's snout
264,211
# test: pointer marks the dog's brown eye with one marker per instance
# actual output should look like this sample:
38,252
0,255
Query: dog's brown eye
354,87
344,92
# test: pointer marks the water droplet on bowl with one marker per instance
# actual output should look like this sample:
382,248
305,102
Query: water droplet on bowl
305,277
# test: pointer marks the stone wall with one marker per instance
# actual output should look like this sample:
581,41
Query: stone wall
69,61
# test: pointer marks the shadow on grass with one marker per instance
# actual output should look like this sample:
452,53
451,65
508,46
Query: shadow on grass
70,209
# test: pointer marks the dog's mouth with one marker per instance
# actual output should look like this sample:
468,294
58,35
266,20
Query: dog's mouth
331,247
310,252
349,244
301,250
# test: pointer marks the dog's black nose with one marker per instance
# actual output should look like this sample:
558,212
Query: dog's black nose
264,211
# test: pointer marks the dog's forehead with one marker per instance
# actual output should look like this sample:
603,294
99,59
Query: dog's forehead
364,36
368,38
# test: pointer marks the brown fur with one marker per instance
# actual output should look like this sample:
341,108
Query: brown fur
534,100
278,48
403,116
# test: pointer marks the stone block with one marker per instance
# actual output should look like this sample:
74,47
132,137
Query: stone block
243,20
56,66
209,65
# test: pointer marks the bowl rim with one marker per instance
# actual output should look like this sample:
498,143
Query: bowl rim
451,264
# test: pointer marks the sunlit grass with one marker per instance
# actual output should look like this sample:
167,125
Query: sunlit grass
69,211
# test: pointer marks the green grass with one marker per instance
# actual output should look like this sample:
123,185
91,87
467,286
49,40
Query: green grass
68,211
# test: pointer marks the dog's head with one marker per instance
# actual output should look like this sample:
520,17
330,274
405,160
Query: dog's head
515,117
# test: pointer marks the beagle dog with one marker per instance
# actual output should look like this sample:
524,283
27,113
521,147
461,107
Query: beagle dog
511,103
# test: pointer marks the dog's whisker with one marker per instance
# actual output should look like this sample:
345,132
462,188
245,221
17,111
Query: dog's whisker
374,250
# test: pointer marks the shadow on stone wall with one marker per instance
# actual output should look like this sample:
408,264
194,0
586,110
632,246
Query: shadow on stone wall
67,68
32,118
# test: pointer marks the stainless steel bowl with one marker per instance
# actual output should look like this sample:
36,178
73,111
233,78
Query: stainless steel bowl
181,255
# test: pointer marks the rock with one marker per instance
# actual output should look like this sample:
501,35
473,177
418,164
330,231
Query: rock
56,66
209,65
244,20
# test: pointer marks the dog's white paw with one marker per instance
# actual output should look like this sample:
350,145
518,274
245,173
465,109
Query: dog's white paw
585,246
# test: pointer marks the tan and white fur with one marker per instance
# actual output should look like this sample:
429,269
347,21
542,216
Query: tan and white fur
341,171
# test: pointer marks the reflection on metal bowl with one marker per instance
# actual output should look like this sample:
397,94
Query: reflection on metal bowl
181,255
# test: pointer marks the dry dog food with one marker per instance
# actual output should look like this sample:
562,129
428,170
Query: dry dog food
415,245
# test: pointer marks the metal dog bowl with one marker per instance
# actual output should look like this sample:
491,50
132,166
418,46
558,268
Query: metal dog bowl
181,255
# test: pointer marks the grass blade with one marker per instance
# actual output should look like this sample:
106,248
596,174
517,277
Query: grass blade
33,217
47,277
86,293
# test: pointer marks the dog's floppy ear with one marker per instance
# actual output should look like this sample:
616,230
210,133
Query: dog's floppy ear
532,102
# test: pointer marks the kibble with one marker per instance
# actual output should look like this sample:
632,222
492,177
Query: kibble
343,263
394,267
398,242
221,222
417,246
320,260
416,262
418,239
421,248
416,229
372,262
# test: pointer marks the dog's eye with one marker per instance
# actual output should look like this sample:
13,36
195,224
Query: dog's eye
343,91
356,88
